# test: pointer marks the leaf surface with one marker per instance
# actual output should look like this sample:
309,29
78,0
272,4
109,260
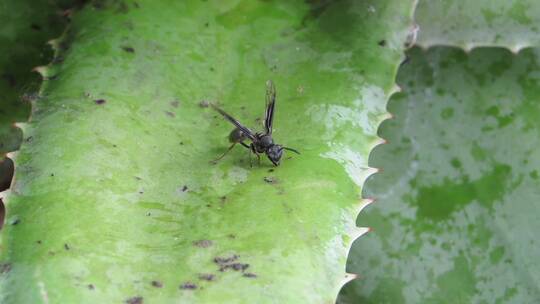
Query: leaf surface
457,210
513,24
115,198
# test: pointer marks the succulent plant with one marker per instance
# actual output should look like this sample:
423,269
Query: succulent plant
115,196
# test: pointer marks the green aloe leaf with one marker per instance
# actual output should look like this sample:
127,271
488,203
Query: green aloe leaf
468,24
115,198
457,210
26,27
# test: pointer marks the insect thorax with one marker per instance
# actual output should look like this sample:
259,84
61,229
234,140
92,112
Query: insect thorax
263,142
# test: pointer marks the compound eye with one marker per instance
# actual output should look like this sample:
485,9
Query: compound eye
277,156
274,155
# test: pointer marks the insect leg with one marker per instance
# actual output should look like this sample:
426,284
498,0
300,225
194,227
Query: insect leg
252,150
230,148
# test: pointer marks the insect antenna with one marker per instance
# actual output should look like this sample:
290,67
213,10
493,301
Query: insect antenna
290,149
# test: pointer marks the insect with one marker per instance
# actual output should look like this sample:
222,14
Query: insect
261,143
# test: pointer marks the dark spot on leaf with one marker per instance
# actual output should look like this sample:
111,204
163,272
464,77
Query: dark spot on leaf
135,300
231,236
90,286
128,49
148,214
212,69
221,260
52,174
206,24
382,43
5,268
15,222
175,103
66,246
39,242
203,243
188,285
29,139
234,266
204,104
100,101
184,188
157,284
270,179
170,114
270,170
207,276
249,275
230,263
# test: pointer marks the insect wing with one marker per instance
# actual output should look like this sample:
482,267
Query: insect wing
235,122
270,104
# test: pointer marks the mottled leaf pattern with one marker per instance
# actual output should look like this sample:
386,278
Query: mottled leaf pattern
457,210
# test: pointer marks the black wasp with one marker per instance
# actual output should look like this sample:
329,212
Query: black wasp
260,142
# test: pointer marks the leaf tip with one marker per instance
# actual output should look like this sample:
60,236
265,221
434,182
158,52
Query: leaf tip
12,155
364,203
21,125
54,43
517,48
395,89
348,277
41,70
358,232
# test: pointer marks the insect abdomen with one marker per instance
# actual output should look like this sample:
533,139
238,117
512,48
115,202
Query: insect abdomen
237,136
